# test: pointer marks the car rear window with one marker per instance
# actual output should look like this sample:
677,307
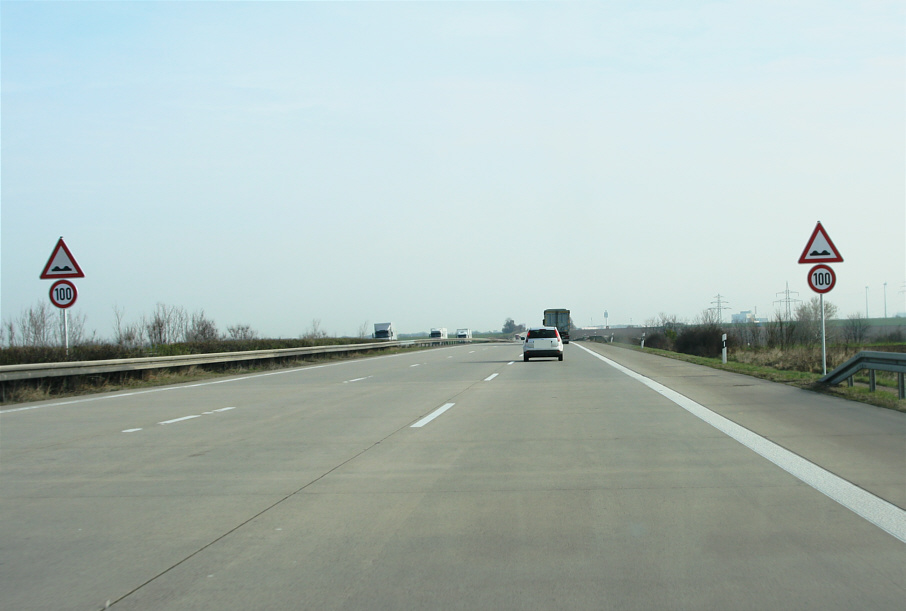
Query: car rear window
541,334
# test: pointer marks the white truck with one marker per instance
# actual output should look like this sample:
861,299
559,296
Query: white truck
438,333
464,334
384,330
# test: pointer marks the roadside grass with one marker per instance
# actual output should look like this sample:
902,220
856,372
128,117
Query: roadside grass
885,396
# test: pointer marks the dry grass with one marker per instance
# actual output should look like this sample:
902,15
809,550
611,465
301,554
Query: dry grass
801,367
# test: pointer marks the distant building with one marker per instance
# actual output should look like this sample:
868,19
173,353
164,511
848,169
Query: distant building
746,317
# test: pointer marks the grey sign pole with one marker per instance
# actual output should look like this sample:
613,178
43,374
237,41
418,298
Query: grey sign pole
823,335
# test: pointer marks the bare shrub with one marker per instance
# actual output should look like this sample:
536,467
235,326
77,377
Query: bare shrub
808,317
315,332
129,336
201,329
855,331
167,324
241,332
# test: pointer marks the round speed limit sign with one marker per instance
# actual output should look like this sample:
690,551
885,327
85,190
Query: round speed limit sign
821,278
63,293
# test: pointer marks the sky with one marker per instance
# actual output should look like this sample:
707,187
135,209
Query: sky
450,164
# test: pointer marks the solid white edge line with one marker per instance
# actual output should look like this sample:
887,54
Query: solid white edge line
881,513
432,415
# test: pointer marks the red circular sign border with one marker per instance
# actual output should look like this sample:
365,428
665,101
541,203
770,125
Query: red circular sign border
833,278
75,293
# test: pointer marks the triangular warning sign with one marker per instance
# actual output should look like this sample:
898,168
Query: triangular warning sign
820,249
61,264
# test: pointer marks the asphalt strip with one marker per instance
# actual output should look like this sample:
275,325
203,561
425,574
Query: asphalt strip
879,512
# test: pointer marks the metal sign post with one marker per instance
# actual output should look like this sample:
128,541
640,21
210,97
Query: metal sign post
821,278
63,293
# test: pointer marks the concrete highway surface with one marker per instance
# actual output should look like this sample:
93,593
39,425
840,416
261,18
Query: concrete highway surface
456,478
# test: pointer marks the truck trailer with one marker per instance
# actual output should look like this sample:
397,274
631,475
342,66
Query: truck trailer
558,317
384,330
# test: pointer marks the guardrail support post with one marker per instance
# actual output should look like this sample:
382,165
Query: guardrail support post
872,382
849,381
901,384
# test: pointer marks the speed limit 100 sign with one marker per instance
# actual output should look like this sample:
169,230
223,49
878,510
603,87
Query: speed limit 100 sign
821,278
63,293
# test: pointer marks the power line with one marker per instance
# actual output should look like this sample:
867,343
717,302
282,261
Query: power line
788,301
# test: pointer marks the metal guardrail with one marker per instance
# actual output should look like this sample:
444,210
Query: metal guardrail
33,371
872,361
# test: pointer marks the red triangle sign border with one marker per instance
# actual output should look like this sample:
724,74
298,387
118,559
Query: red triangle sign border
825,257
75,272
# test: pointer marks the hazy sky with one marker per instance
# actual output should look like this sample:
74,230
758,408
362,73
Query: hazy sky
451,164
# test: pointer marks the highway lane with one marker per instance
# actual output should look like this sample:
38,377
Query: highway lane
547,485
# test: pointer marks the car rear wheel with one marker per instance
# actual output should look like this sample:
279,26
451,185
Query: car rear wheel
560,358
525,358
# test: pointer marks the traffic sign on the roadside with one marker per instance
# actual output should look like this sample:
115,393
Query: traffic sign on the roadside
821,278
63,293
61,264
820,249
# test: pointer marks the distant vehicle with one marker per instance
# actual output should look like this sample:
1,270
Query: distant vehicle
558,318
464,333
440,333
384,330
542,341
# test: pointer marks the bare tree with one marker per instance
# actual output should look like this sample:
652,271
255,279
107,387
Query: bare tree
365,329
201,329
781,332
708,318
856,329
808,317
167,324
130,335
76,326
241,332
315,332
9,328
34,328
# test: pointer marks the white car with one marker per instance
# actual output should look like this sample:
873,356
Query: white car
542,341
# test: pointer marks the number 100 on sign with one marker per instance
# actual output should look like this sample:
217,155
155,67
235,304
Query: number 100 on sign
63,293
821,278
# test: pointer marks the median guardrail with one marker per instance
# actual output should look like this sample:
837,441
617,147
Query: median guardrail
872,361
40,371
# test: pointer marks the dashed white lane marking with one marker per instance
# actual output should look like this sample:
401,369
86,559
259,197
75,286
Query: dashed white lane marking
179,419
356,380
432,415
491,377
511,362
217,411
416,365
879,512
